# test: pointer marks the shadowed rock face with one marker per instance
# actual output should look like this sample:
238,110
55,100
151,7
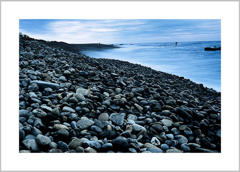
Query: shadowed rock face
69,102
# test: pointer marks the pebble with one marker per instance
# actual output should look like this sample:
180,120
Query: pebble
120,143
117,118
94,144
107,146
155,141
103,117
63,132
24,113
96,129
170,136
80,149
60,126
173,150
43,84
68,109
167,122
46,108
53,145
39,113
83,91
62,78
36,131
140,109
90,150
43,140
31,144
63,146
181,139
75,143
154,150
164,147
185,147
84,123
138,128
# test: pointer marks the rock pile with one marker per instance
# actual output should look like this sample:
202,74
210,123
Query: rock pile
69,102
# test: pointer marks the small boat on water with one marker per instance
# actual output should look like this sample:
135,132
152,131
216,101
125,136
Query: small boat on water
212,48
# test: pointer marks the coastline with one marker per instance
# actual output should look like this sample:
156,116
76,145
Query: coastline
136,108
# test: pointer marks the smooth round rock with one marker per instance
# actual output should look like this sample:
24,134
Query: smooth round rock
68,109
31,144
103,117
117,118
43,140
181,139
84,123
167,122
63,146
107,146
96,129
120,143
185,147
164,147
170,136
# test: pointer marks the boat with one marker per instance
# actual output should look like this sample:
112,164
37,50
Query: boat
212,48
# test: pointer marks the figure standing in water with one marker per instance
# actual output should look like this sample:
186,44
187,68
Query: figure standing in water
176,43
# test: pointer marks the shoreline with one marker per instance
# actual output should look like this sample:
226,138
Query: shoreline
70,102
146,66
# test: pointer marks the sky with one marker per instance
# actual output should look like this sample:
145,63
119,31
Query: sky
122,31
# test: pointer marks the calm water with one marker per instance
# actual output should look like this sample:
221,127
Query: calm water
188,59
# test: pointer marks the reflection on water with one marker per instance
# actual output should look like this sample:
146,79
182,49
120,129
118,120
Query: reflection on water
187,59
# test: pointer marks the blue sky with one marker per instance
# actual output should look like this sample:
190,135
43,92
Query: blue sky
122,31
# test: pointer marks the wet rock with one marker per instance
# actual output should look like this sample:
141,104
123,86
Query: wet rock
82,91
43,140
36,131
185,147
94,144
155,141
138,128
96,129
63,133
60,126
43,84
173,150
167,122
120,143
24,113
68,109
75,143
103,117
84,123
90,150
63,146
117,118
107,146
46,108
181,139
31,144
39,113
164,147
139,108
80,149
170,136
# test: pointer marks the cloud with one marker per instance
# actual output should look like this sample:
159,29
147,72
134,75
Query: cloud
121,31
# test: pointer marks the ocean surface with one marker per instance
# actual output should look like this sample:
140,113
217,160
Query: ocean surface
187,59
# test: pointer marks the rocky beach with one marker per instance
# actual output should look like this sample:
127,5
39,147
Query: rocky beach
72,103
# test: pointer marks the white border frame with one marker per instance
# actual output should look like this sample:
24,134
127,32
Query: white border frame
226,11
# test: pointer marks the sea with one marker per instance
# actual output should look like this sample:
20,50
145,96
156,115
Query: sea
187,59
